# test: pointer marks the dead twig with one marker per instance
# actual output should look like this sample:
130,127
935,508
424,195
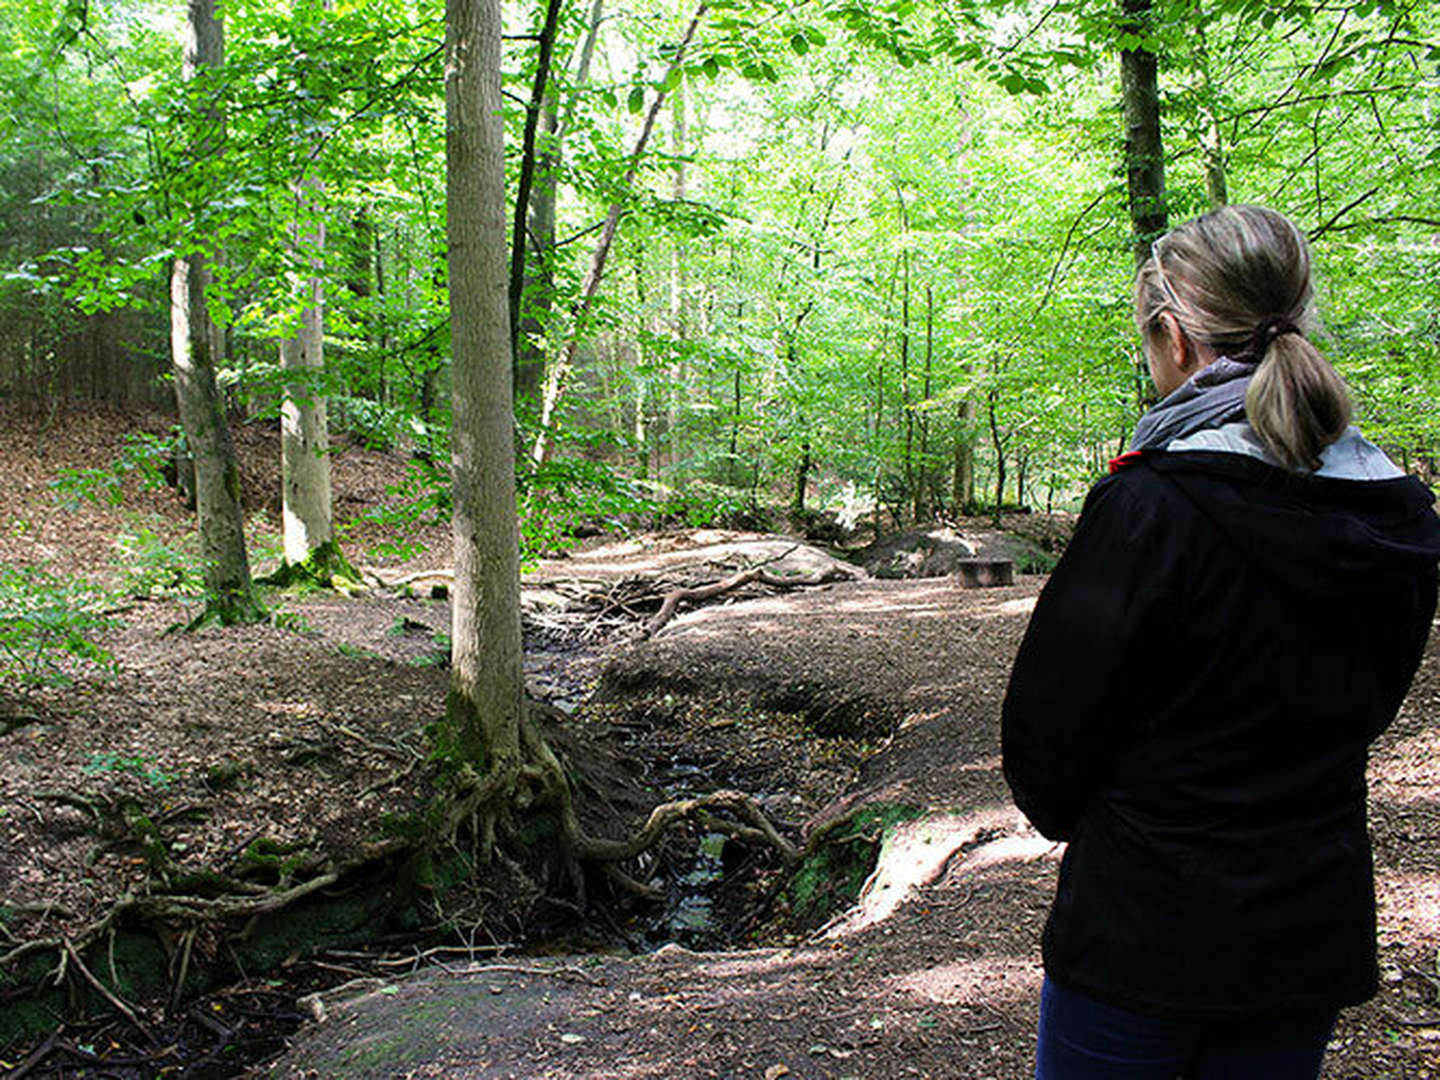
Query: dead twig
115,1002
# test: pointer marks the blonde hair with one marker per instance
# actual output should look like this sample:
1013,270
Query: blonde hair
1226,276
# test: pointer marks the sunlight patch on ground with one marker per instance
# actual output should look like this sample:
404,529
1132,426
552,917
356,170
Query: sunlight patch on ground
1409,906
987,981
917,853
1410,762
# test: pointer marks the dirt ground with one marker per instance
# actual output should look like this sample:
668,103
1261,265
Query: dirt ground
306,733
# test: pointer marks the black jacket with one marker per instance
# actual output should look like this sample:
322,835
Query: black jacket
1191,709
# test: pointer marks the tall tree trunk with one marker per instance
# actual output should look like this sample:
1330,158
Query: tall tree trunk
1144,152
230,595
907,406
921,489
962,477
485,706
1212,138
998,443
306,498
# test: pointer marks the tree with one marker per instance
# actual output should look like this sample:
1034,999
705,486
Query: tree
311,552
1144,151
230,595
486,705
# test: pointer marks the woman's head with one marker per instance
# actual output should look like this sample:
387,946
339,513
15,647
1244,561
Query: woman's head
1236,283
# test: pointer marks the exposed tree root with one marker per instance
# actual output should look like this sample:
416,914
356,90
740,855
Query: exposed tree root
166,911
540,784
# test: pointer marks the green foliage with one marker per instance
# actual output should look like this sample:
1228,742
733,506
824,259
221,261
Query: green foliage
47,628
152,567
142,463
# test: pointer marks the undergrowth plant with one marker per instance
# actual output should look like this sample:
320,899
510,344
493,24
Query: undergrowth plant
152,566
142,459
47,628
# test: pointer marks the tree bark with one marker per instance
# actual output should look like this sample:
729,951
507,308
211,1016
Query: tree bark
304,431
1144,152
230,594
538,288
485,707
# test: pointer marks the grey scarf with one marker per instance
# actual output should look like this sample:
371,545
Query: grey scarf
1213,396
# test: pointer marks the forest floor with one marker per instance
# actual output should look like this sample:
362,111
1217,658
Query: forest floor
274,751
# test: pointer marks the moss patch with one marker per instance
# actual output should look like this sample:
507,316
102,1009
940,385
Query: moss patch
831,876
324,568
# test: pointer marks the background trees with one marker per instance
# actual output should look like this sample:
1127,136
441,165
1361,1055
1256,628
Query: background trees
865,250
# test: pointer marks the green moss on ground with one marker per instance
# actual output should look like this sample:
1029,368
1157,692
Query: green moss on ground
831,876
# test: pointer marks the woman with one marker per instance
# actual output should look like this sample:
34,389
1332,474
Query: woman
1240,612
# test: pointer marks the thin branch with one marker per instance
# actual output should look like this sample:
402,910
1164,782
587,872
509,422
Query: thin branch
1321,230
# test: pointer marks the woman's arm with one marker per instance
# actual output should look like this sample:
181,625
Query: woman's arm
1098,633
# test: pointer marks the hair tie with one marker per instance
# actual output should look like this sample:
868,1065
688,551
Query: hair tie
1267,330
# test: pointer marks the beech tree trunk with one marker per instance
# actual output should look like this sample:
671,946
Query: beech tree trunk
485,707
1144,152
230,595
304,431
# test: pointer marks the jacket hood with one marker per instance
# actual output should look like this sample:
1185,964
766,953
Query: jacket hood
1319,533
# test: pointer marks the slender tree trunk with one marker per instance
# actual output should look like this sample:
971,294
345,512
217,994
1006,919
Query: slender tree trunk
1212,138
998,444
921,510
306,498
541,107
230,595
735,401
485,706
1144,152
538,290
907,407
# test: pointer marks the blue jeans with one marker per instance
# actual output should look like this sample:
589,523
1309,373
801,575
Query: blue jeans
1085,1039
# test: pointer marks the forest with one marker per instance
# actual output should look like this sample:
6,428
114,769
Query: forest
375,297
836,256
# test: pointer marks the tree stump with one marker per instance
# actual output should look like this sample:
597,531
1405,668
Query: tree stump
984,573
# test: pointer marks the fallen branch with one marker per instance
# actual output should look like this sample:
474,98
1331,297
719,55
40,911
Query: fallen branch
115,1002
443,574
675,597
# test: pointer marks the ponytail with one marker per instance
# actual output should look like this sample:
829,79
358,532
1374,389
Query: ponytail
1297,403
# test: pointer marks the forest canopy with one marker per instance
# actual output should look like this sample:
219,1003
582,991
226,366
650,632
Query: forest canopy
838,255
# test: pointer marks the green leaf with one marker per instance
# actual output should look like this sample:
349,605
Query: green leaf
636,101
799,44
711,66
